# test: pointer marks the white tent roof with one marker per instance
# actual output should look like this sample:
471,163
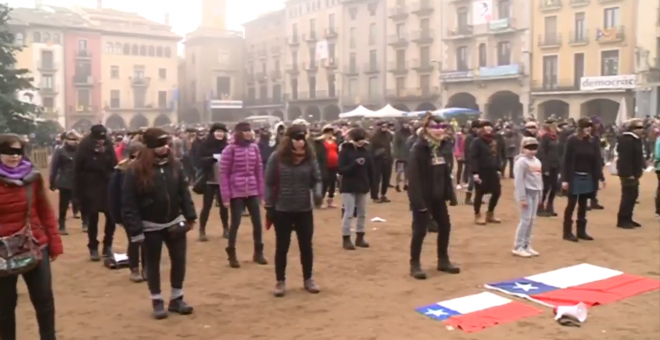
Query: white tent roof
387,112
358,112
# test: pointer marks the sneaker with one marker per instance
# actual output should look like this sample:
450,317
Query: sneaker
532,251
521,252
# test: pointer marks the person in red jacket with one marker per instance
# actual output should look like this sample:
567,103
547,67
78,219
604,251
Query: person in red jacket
17,175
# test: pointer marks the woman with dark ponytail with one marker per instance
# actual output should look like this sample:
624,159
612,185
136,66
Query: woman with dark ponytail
157,209
209,158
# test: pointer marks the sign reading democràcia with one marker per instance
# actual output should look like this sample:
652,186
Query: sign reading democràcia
621,82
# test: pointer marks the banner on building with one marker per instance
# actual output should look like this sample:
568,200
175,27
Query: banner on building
322,50
482,12
621,82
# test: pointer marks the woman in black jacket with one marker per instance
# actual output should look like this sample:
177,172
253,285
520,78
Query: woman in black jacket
209,156
61,175
549,153
581,172
485,164
157,208
430,187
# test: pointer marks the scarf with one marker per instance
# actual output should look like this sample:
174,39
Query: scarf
19,172
298,156
434,144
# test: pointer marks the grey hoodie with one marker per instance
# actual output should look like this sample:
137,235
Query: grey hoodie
527,176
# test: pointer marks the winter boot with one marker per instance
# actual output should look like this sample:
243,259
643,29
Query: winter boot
384,199
431,226
311,286
85,224
202,235
258,256
444,265
107,252
280,289
360,241
62,228
479,219
179,306
595,205
550,210
159,309
347,243
468,198
231,254
568,231
582,231
225,232
490,218
94,255
136,276
416,270
540,211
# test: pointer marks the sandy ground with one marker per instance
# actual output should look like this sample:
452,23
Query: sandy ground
367,294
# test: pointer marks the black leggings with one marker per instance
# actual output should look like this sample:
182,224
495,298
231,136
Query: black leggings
330,182
550,187
440,215
93,230
135,253
581,202
66,198
153,247
302,222
492,203
237,205
212,191
459,171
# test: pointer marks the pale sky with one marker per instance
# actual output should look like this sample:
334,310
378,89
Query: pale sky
184,14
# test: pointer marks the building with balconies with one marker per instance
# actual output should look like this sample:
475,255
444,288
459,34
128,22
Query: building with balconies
266,43
647,57
485,61
584,56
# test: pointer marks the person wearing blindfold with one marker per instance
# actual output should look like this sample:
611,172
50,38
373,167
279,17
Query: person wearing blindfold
93,164
430,187
485,164
630,168
528,188
293,181
23,197
581,173
157,209
61,175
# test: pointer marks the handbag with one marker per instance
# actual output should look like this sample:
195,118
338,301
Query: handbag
199,185
20,252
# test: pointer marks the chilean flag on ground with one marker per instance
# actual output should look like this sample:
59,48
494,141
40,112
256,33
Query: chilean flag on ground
475,312
586,283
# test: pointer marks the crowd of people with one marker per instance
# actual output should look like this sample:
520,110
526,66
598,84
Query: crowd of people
142,181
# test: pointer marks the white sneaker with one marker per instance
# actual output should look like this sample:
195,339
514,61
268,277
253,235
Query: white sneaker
521,252
532,251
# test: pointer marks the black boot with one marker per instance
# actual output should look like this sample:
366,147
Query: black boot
179,306
416,270
85,224
159,309
136,276
540,211
94,255
595,205
107,252
397,188
550,210
62,228
231,254
225,233
202,235
347,244
258,256
568,231
360,241
431,226
444,265
624,224
582,231
468,198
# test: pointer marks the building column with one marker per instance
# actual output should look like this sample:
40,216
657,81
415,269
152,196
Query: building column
524,101
574,109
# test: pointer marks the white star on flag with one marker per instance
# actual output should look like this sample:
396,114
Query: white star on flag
526,287
436,312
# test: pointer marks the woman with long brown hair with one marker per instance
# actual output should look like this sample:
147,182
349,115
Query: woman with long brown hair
28,230
157,208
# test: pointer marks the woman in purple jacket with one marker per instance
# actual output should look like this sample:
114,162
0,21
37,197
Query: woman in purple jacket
242,186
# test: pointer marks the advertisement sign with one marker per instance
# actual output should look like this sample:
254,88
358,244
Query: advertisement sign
621,82
499,71
457,75
482,12
225,104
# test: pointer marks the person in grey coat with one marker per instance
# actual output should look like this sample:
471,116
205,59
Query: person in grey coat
512,140
401,153
61,175
292,186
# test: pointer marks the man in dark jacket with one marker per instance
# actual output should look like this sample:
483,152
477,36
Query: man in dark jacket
381,149
401,153
467,174
61,175
630,166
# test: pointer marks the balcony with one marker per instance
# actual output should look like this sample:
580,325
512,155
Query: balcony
422,36
330,33
461,32
458,1
555,85
311,66
398,12
83,80
82,110
292,69
550,5
275,75
579,38
371,68
457,76
48,66
313,95
422,65
423,8
398,68
275,51
351,70
397,40
611,35
512,71
579,3
311,37
609,1
83,54
293,40
414,93
261,54
261,77
501,26
141,82
262,101
331,63
550,41
48,89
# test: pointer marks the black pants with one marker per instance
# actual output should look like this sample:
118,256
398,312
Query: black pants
459,171
302,222
509,161
176,245
629,195
39,285
212,191
550,187
93,230
66,198
382,169
438,211
495,194
237,205
581,202
135,253
330,183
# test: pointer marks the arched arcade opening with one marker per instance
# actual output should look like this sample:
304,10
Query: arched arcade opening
294,112
279,114
401,107
139,121
82,125
504,105
331,112
426,106
558,109
463,100
312,114
190,116
605,109
162,120
115,122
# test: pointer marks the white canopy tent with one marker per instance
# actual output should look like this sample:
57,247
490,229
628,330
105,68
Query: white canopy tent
387,112
358,112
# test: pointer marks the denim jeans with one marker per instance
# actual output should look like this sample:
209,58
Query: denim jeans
527,216
40,289
351,202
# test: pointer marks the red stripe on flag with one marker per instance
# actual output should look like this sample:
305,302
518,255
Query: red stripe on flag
479,320
600,292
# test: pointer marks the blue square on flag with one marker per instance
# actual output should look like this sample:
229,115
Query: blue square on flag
437,312
522,287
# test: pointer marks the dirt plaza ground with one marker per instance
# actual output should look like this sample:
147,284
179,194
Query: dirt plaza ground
366,294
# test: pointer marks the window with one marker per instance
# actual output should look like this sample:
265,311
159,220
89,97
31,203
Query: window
152,51
550,35
252,93
503,53
400,86
578,69
352,63
294,30
115,101
331,52
425,84
351,37
550,71
400,59
609,63
503,9
332,89
139,98
159,51
425,56
168,52
118,48
372,33
611,17
277,92
47,59
114,72
162,73
36,37
294,88
401,30
223,86
56,39
331,22
162,99
462,18
263,92
48,102
483,55
143,50
352,12
127,49
83,100
462,58
312,86
374,88
47,82
352,87
82,45
19,39
135,50
372,7
312,28
580,33
138,72
46,37
373,60
312,56
109,48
